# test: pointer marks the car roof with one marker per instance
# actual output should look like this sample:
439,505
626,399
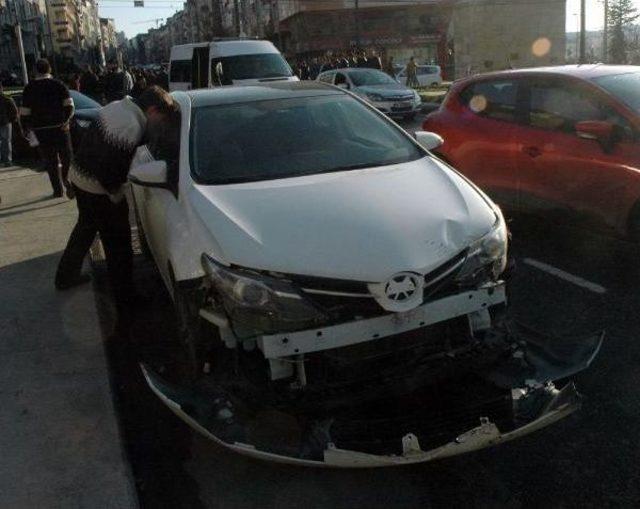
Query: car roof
260,92
584,71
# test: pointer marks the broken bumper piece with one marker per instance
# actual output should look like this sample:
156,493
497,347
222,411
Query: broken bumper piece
214,417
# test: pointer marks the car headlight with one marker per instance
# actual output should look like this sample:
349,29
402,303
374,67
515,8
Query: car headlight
375,97
487,257
258,304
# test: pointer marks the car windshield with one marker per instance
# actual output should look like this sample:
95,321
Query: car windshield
625,87
245,67
273,139
370,77
82,102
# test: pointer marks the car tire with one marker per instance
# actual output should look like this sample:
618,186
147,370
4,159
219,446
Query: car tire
189,327
142,238
434,84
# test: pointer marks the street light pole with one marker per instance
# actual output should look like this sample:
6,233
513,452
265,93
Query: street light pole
18,32
357,6
605,33
583,27
23,63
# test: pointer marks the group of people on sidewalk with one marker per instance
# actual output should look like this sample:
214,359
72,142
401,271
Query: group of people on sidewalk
95,175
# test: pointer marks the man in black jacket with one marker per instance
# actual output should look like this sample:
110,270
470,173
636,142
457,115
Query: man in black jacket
47,109
97,175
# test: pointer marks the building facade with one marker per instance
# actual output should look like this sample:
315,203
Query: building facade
108,38
31,15
491,35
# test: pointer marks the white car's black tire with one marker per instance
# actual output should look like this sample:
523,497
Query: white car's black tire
189,327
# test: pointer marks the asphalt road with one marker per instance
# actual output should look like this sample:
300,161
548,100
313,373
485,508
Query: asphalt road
566,282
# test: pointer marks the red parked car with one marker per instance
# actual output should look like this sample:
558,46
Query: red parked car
558,138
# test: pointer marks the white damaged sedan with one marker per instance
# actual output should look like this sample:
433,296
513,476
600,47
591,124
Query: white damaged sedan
338,288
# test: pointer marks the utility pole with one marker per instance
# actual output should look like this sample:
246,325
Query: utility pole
357,6
605,33
23,63
236,9
583,34
18,32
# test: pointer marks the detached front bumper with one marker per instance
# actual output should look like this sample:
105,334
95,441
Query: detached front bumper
525,373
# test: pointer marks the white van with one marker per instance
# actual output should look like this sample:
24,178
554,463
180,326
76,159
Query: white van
226,62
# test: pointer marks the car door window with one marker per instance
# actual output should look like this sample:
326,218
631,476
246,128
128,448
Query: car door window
493,99
327,77
558,106
340,79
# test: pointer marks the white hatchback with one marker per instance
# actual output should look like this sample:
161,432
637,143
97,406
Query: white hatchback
337,286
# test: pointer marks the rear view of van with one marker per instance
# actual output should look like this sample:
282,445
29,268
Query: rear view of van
226,62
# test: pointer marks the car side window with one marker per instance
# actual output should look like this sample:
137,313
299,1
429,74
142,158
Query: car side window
327,77
558,106
493,99
340,79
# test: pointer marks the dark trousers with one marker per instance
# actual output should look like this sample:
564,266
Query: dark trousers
98,214
55,148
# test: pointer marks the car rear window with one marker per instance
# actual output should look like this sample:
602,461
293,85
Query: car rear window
492,99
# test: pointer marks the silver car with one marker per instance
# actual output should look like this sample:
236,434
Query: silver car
377,88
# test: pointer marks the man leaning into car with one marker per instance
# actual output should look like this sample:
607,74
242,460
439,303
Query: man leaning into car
97,176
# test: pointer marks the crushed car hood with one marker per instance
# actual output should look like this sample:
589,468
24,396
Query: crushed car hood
361,225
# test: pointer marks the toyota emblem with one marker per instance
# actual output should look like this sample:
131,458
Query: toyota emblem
401,287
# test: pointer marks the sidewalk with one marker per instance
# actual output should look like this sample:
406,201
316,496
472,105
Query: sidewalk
60,445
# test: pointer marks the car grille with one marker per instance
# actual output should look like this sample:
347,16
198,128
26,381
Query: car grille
347,300
399,98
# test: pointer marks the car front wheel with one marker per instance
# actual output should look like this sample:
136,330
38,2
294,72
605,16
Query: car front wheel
189,358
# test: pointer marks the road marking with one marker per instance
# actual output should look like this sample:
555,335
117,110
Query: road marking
561,274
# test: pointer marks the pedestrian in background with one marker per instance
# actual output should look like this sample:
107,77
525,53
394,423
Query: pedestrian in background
389,69
98,174
373,60
8,116
74,82
412,73
90,84
115,83
46,110
139,86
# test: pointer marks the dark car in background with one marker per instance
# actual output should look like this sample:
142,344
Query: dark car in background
550,140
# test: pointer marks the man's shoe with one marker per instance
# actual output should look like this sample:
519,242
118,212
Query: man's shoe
66,285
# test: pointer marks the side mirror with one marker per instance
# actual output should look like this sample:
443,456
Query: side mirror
596,130
428,140
150,174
